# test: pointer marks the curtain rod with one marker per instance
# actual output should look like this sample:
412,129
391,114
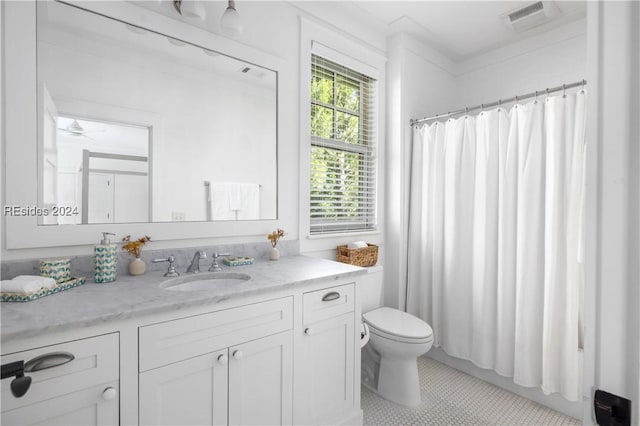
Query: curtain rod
535,94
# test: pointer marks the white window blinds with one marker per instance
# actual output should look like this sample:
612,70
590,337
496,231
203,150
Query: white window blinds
343,149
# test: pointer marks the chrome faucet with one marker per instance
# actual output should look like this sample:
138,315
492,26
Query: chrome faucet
194,267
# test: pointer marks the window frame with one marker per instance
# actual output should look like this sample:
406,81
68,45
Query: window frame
369,58
367,218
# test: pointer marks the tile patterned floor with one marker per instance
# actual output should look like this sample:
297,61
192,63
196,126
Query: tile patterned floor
451,397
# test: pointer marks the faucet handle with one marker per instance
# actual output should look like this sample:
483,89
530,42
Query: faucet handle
214,265
171,272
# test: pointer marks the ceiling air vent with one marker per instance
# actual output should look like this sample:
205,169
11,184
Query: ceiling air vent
531,15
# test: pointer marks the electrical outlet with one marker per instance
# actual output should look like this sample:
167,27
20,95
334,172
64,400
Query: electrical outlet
178,216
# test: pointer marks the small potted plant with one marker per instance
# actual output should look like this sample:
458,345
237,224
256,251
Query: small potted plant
274,237
137,265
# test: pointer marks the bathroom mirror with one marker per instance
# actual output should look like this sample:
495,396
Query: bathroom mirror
135,126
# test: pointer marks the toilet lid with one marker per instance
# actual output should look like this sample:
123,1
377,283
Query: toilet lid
398,323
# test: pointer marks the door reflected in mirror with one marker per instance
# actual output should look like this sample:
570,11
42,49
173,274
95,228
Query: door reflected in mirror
135,126
103,168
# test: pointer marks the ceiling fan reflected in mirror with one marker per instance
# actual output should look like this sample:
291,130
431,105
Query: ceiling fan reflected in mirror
75,129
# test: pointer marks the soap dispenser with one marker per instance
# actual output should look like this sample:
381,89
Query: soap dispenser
105,260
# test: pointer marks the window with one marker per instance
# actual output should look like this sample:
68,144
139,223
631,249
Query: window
343,152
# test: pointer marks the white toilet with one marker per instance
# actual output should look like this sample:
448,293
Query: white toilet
389,361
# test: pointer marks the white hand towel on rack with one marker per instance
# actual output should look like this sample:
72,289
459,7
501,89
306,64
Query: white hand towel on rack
235,196
219,201
249,201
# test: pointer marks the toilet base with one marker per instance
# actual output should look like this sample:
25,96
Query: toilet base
399,382
394,381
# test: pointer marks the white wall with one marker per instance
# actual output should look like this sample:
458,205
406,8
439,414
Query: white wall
419,81
612,253
2,133
548,60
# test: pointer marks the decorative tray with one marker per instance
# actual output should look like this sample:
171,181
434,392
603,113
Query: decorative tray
26,297
237,261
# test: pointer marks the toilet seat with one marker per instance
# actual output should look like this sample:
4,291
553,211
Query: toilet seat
399,326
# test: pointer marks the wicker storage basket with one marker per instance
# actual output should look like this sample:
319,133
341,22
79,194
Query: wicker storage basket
366,256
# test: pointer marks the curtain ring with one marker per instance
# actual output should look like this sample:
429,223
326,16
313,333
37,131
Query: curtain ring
582,86
536,98
499,104
516,101
564,90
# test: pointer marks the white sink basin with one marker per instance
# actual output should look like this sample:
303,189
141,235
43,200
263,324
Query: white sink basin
204,282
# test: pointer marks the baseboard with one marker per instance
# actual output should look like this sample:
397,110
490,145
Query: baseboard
554,401
356,418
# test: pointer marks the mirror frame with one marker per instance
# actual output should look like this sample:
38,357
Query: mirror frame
21,153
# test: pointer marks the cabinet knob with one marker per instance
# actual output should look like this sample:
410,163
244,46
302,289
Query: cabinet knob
238,354
308,331
109,393
223,359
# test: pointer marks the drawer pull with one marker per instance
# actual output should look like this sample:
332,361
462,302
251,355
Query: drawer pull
308,331
20,384
223,359
238,355
50,360
109,393
332,295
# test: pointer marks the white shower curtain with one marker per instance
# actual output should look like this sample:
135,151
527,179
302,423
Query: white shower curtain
495,230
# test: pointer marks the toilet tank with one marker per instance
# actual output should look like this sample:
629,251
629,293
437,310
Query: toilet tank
371,288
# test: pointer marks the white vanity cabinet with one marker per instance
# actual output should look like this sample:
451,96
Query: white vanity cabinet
73,383
262,353
327,370
219,367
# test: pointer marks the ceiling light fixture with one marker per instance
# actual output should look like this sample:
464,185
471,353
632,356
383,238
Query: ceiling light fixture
190,9
230,20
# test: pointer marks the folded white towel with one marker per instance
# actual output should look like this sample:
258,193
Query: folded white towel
24,284
357,244
46,282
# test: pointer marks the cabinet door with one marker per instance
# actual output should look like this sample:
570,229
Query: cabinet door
261,381
97,405
190,392
326,369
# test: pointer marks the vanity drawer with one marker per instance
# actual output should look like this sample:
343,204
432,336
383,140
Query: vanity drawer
328,302
168,342
95,361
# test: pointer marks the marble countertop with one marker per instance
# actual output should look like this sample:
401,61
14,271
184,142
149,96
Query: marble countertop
129,297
